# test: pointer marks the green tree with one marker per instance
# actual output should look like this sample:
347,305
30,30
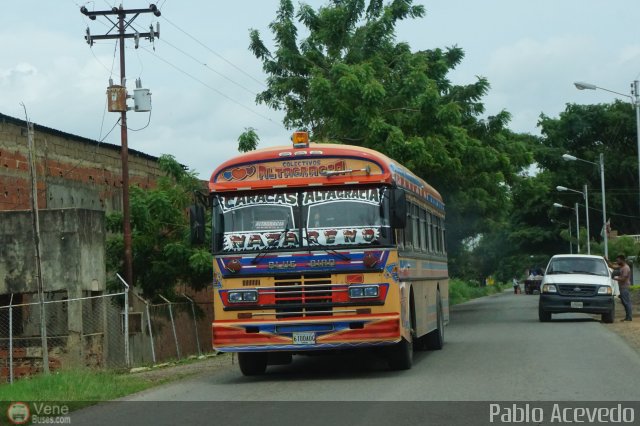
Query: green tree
248,140
586,131
162,254
349,81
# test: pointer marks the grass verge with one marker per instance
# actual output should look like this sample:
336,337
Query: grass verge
460,291
80,387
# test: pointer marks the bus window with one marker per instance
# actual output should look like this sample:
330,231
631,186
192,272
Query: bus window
251,223
408,230
345,217
423,230
415,223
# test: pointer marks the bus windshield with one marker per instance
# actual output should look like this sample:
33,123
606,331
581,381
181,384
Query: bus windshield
302,219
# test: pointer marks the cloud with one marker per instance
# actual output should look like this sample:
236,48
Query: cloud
530,76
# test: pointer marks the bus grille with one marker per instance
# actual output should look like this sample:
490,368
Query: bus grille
299,296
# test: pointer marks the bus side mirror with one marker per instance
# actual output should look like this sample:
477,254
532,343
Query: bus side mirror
398,208
196,224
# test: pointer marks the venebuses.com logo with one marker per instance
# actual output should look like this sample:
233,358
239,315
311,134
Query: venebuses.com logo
18,413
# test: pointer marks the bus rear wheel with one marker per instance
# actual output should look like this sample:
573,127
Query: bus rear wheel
252,363
435,339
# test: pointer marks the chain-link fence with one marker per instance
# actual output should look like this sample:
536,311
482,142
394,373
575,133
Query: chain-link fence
169,330
85,331
90,331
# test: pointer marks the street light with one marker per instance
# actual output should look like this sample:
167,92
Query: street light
569,227
560,206
586,204
635,101
605,237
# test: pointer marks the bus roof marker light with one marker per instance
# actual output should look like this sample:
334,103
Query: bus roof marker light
300,139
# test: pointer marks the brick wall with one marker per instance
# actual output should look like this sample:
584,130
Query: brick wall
72,171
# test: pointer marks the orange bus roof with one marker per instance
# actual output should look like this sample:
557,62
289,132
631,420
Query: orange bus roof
316,165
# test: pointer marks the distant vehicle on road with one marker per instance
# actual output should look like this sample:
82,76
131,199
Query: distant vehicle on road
533,280
577,283
532,284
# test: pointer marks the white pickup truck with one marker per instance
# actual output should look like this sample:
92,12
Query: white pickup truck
577,283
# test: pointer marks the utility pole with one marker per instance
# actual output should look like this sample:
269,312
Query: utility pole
118,94
36,240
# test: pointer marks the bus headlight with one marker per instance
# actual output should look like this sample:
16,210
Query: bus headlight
245,296
364,291
549,288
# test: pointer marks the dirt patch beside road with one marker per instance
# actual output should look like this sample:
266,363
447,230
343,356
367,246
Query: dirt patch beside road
174,371
628,330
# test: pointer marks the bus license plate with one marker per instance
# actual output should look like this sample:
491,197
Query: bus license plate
576,304
305,338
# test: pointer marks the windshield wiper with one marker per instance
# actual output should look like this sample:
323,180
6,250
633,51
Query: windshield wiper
323,247
273,243
329,249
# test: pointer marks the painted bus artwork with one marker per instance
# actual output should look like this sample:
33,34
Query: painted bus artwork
323,247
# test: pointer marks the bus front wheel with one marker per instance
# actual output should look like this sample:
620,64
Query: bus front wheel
252,363
400,355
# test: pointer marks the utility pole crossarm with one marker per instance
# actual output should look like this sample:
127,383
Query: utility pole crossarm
116,36
117,11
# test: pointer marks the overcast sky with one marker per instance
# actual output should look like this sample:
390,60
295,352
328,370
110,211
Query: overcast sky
204,80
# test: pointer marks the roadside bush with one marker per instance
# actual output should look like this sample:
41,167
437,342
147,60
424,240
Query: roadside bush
460,291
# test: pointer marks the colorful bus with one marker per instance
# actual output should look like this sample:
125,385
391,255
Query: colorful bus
325,247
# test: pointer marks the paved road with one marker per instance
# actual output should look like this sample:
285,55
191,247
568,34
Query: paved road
495,350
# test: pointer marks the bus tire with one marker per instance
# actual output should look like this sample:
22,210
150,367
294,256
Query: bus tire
252,363
400,356
434,340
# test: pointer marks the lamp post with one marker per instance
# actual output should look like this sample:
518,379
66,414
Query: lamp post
635,101
569,227
605,237
586,204
560,206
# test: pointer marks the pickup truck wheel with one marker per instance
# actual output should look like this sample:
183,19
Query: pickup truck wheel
609,316
252,363
543,316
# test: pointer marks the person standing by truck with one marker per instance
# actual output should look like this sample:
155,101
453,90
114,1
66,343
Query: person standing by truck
624,282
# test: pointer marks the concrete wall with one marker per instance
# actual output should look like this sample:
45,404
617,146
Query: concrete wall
72,172
73,251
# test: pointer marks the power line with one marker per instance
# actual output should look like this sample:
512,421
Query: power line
261,83
204,64
208,86
75,166
208,67
211,69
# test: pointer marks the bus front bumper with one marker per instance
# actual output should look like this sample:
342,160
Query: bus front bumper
298,334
